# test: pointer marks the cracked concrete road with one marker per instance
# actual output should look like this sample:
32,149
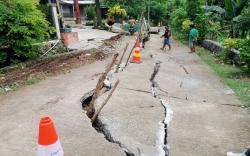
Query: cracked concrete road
58,97
202,123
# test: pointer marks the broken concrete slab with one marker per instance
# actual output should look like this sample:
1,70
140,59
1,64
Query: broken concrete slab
58,97
90,38
134,123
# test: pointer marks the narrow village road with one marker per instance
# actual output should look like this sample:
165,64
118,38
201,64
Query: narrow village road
205,117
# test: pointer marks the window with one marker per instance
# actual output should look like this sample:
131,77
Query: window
67,10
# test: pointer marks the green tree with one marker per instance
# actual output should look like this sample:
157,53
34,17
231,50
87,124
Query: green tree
158,12
90,12
234,7
193,8
133,7
242,23
21,25
177,18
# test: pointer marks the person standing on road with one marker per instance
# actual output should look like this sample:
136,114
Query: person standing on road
166,41
193,36
131,25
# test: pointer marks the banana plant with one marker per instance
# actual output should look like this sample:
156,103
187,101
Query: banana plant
234,7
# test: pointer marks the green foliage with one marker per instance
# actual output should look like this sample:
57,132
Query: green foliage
44,9
243,45
201,23
90,12
193,8
33,80
116,12
21,25
214,29
177,18
245,52
227,45
133,7
90,23
234,7
230,43
242,22
158,12
186,25
234,77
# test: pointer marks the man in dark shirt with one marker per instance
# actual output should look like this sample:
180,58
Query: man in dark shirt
166,41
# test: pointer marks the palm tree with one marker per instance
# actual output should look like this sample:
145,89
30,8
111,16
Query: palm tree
234,7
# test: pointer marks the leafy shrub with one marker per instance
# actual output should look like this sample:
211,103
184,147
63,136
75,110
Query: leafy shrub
244,47
116,12
193,8
201,23
90,12
241,23
158,12
186,25
214,29
227,45
21,25
90,23
230,43
177,17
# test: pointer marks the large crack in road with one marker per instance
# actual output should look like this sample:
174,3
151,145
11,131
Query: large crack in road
162,134
100,127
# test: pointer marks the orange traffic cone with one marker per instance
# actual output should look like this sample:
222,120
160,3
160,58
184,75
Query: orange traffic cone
136,55
48,142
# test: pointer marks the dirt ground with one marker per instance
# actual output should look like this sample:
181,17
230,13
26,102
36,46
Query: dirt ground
54,65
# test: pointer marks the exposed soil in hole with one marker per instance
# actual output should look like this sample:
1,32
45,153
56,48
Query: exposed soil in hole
98,125
86,99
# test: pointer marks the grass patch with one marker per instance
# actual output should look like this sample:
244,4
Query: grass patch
234,77
15,86
33,80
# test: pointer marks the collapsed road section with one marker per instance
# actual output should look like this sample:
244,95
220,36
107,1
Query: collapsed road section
133,118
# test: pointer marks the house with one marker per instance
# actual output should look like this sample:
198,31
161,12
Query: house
67,8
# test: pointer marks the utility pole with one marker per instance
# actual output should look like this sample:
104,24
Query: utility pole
60,13
149,11
55,18
77,12
98,12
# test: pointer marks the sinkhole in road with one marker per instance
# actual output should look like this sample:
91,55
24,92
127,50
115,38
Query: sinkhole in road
162,141
99,126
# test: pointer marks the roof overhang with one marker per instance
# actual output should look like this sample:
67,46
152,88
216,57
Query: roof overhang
80,2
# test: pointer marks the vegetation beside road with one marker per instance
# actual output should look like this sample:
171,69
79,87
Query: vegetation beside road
232,76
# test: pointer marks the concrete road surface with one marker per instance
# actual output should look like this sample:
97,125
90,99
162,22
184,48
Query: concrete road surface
204,118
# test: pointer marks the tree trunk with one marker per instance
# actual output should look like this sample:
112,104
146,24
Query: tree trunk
77,12
98,12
